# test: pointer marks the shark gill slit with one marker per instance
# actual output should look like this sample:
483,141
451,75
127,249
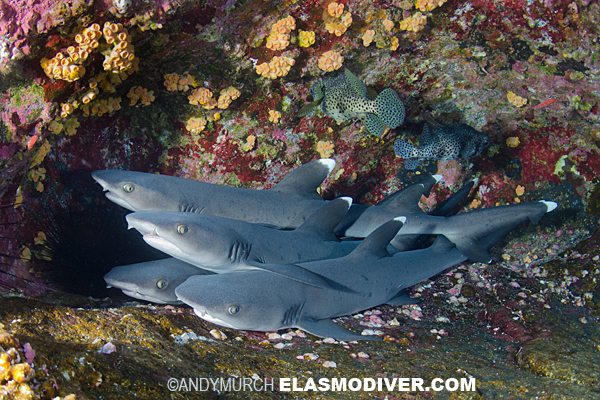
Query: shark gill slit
291,315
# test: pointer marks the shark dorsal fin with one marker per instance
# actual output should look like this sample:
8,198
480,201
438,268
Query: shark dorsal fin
376,243
323,221
426,185
404,200
304,180
356,84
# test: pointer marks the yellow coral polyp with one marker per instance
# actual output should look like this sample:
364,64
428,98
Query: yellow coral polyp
306,38
335,9
394,44
339,26
429,5
66,64
367,37
227,96
71,126
196,125
325,148
330,61
277,67
55,127
513,141
203,97
388,24
515,100
140,94
274,116
250,142
277,41
285,25
414,23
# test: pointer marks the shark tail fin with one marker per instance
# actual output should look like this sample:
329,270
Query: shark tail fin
376,243
389,108
304,180
479,230
323,221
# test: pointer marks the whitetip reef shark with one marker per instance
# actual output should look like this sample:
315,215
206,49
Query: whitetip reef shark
284,206
224,245
153,281
260,301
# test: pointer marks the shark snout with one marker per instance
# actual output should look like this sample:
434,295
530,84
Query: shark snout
100,181
144,227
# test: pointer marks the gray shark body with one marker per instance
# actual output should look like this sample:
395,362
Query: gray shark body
264,302
153,281
284,206
224,245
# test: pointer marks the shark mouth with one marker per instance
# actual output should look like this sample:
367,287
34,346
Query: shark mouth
118,200
207,317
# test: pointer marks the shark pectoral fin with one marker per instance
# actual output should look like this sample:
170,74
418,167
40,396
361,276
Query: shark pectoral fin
402,299
323,221
266,224
304,180
302,275
374,125
472,249
326,328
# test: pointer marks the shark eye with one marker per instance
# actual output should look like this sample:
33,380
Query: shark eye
128,187
182,229
233,310
161,283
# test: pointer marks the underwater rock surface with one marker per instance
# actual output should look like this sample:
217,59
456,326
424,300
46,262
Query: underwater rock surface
211,92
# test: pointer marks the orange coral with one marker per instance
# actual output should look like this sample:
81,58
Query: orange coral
428,5
274,116
330,61
285,25
196,125
204,97
277,41
139,93
414,23
277,67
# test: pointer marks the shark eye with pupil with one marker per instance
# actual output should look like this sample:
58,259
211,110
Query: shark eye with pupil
182,229
161,284
233,310
128,187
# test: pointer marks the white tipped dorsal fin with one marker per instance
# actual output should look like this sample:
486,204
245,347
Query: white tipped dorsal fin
304,180
376,243
550,204
323,221
437,177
